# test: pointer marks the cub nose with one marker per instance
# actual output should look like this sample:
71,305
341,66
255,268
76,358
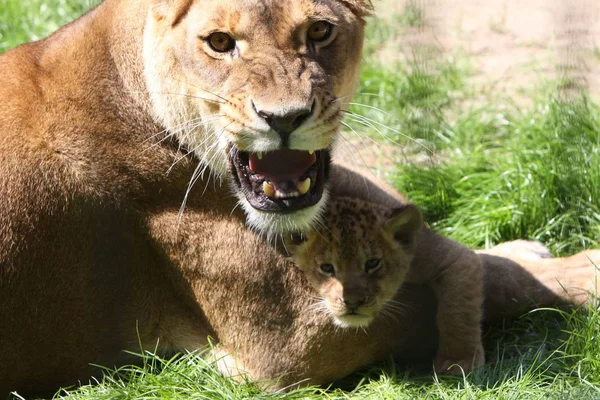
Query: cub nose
353,302
284,122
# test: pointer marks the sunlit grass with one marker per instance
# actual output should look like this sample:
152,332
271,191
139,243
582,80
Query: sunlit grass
519,174
25,21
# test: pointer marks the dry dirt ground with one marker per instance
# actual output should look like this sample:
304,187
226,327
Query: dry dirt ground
512,46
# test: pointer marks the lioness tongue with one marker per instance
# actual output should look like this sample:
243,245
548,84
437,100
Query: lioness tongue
282,165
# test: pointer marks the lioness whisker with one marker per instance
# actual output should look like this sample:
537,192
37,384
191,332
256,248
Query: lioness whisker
355,148
182,95
210,137
199,88
212,176
373,125
358,95
197,174
166,130
369,107
187,192
171,132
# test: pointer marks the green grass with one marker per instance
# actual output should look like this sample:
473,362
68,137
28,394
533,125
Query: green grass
492,172
25,21
547,354
521,174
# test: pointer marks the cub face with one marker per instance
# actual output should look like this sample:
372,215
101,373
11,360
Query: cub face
256,90
358,260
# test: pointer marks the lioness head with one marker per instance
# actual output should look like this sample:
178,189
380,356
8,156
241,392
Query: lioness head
358,260
255,89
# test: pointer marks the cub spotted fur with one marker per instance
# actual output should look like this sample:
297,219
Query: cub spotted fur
362,256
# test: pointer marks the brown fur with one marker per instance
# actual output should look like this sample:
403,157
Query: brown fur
355,231
93,258
517,275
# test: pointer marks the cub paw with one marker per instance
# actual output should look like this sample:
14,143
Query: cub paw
445,365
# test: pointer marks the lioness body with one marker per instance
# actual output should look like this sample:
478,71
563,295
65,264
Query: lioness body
84,168
93,256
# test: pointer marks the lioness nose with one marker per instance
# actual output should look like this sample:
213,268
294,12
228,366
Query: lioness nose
284,123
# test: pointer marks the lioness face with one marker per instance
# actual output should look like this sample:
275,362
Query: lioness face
255,89
358,262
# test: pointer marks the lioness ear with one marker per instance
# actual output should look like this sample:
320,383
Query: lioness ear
362,8
172,11
404,225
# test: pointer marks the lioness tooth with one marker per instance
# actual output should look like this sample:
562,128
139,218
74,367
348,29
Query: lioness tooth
268,189
311,152
303,186
259,155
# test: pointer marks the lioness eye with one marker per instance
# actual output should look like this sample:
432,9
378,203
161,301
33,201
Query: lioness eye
372,265
327,269
319,31
221,42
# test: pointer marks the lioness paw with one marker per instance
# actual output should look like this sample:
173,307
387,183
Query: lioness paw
519,249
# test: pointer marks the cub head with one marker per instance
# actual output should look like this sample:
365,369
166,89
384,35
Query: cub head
256,89
359,258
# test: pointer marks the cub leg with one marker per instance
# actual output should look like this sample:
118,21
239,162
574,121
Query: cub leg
514,284
459,291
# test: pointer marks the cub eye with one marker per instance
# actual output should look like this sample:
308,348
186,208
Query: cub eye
327,269
221,42
319,31
372,265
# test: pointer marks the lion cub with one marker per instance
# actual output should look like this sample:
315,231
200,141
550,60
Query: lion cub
362,255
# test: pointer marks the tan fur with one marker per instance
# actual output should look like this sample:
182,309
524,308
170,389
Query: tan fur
94,258
356,231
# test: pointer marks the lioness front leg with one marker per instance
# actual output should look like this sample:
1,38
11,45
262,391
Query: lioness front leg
459,291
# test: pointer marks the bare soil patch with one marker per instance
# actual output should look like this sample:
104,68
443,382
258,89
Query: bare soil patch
514,46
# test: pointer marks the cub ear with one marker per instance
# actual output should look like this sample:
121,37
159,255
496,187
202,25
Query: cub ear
404,225
362,8
172,11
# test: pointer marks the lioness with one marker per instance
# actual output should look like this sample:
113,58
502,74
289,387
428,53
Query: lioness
362,255
95,125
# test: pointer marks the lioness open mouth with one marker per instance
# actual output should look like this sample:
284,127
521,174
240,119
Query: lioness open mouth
281,180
